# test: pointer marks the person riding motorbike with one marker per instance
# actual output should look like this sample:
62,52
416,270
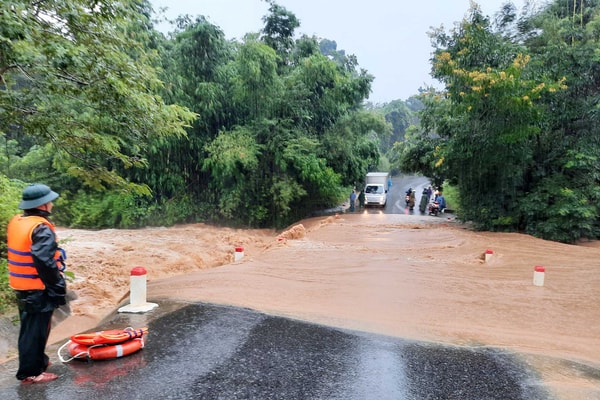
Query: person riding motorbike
407,196
438,205
442,202
411,200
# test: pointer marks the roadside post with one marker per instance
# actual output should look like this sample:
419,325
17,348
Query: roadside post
239,253
137,293
538,275
488,255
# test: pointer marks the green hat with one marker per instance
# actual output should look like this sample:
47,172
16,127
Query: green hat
36,195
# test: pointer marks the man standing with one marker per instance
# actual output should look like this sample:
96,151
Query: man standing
352,200
361,199
424,200
34,272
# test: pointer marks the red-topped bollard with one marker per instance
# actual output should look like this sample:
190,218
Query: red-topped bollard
239,253
538,275
137,292
488,254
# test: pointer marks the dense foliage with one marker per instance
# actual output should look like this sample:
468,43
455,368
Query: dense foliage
75,74
9,198
280,130
517,128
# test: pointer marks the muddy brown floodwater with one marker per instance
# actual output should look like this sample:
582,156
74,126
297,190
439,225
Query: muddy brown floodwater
409,276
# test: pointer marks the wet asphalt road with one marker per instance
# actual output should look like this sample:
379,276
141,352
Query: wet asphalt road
202,351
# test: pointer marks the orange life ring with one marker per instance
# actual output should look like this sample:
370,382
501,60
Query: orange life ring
105,352
108,337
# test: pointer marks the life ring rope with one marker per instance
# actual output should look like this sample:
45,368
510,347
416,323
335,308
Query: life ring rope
66,360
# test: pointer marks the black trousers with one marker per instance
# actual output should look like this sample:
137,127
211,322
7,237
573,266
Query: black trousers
33,336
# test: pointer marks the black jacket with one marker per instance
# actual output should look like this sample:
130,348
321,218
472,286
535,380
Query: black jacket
43,249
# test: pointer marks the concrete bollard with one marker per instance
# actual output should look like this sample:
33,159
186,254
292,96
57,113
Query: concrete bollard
488,255
137,292
538,275
239,253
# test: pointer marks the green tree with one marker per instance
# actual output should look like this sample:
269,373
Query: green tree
195,70
79,78
256,85
401,117
419,153
351,145
564,42
278,31
510,125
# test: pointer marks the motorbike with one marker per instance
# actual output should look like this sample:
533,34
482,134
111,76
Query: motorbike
434,208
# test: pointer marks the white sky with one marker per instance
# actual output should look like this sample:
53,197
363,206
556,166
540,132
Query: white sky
389,37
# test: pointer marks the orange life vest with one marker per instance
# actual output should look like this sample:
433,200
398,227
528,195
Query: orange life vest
22,273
